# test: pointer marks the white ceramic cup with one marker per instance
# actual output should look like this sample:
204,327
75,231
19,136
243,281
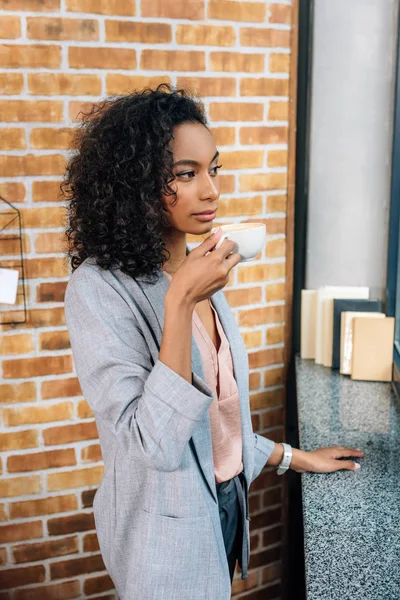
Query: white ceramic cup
249,238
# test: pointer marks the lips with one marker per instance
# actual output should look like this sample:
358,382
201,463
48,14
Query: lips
206,212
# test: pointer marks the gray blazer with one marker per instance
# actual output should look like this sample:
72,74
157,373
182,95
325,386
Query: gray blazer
156,510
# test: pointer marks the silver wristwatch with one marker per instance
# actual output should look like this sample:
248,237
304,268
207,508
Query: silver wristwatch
286,460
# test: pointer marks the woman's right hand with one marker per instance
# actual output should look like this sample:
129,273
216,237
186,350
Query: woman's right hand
205,270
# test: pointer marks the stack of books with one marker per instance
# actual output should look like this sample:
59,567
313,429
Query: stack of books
343,328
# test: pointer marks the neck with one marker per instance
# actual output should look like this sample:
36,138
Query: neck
175,242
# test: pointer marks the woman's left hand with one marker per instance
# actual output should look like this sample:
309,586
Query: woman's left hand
325,460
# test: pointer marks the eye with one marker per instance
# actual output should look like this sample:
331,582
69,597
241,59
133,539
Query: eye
214,170
186,175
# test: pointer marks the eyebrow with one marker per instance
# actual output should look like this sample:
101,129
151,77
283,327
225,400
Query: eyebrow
194,163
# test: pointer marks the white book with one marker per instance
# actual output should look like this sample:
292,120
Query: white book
346,337
324,318
307,326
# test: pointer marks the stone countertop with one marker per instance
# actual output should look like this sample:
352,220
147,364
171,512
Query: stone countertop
351,519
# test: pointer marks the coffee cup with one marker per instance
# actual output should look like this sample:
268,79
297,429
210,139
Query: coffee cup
249,238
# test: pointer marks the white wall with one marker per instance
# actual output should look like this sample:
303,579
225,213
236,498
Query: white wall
353,79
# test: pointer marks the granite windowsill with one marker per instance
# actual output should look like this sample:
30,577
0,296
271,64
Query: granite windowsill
351,519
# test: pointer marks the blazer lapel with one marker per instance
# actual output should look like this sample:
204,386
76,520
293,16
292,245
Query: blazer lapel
202,444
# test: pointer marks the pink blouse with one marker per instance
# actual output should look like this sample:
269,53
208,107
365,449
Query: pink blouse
224,411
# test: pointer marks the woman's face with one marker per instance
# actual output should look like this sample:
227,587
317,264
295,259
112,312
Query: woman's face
196,179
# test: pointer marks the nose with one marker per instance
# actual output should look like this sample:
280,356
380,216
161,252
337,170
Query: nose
210,188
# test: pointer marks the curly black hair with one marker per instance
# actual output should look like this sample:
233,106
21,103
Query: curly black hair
114,183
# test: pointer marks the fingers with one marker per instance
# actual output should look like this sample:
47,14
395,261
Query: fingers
208,243
342,452
348,465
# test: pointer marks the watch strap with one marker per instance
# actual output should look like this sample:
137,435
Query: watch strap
286,460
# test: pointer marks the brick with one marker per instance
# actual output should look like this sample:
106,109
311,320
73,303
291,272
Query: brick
11,83
43,506
266,86
38,414
70,433
51,292
252,12
18,392
179,9
47,216
65,591
10,244
118,84
80,57
208,86
46,28
273,377
173,60
36,367
242,159
205,35
41,551
77,566
276,204
236,207
131,31
276,248
64,84
261,272
280,13
258,182
273,418
84,410
252,339
275,292
264,135
32,56
243,297
49,138
227,183
87,498
54,340
41,460
31,5
48,317
224,136
243,585
74,479
61,388
3,558
46,267
98,584
13,577
16,344
70,524
271,572
236,111
13,192
91,453
12,139
90,543
24,166
264,38
21,531
263,358
267,593
20,486
277,158
103,7
235,62
266,518
46,191
254,380
18,440
275,335
10,27
261,316
52,242
279,63
76,108
31,111
265,399
278,111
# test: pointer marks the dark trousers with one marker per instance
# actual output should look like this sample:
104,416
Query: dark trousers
230,514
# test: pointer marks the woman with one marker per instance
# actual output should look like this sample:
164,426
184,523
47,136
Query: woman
158,354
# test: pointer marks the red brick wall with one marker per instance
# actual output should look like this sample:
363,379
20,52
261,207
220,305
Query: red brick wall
62,55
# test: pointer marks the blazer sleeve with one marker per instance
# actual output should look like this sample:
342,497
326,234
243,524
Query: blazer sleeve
263,448
149,409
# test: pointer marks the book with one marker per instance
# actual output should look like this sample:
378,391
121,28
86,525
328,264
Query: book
349,305
307,323
324,318
373,349
346,337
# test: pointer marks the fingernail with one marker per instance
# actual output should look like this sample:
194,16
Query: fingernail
357,466
217,230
